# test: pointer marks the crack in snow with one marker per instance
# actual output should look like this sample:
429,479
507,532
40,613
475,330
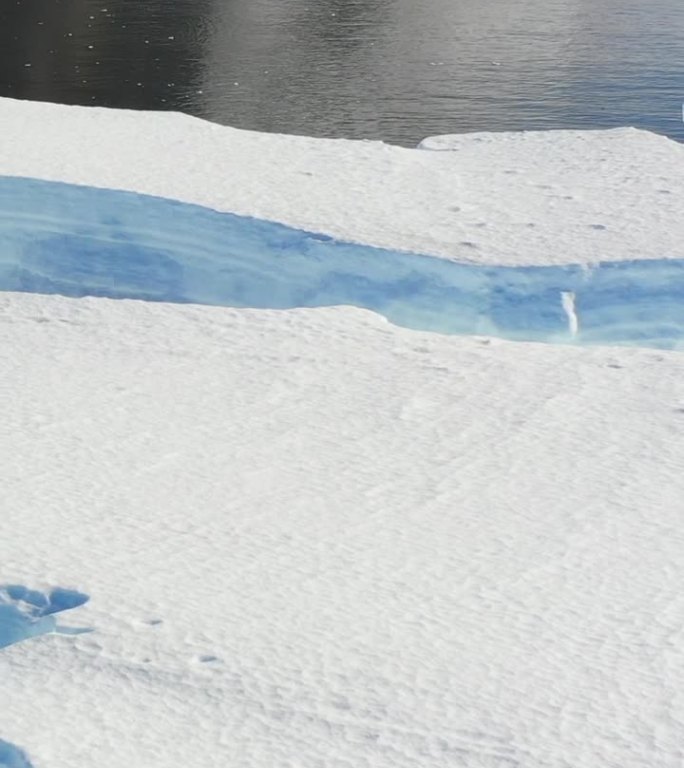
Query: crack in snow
82,241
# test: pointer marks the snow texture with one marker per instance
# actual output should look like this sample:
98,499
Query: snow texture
557,197
312,538
78,241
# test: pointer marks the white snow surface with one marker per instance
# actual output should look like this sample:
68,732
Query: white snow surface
314,539
509,198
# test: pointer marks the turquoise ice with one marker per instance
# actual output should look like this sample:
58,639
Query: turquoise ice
82,241
26,613
12,757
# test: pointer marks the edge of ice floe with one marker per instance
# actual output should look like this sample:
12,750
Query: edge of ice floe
526,198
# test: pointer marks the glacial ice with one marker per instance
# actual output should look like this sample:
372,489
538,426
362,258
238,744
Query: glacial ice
26,613
77,241
12,757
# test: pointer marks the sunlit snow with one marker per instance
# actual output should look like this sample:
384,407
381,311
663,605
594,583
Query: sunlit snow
292,534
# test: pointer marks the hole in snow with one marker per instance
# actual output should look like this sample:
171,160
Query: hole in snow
82,241
26,613
12,757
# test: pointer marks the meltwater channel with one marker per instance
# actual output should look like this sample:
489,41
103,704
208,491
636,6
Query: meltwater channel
82,241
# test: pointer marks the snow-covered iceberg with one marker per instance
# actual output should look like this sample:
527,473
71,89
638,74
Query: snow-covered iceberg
311,537
557,197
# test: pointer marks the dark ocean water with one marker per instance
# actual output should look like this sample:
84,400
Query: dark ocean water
396,70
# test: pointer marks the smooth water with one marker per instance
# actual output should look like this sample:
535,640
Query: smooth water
397,70
82,241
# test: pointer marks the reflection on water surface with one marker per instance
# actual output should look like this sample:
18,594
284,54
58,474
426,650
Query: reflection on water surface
392,69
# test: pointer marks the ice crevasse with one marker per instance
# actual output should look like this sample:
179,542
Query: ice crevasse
79,240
